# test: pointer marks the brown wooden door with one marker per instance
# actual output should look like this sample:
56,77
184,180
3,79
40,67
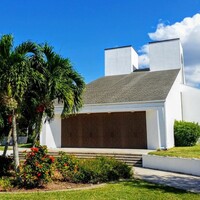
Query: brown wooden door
105,130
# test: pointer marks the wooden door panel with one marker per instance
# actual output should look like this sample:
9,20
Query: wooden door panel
105,130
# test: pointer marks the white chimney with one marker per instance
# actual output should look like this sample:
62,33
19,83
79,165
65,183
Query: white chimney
165,55
120,60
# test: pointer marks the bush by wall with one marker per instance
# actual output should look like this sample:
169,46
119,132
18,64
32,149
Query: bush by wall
186,133
100,169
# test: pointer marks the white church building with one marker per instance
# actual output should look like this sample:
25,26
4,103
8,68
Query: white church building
130,108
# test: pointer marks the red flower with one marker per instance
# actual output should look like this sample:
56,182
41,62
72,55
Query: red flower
10,119
40,109
32,154
65,164
34,149
38,174
52,158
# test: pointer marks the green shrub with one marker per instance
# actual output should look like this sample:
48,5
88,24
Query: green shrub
186,133
67,165
6,184
96,170
103,169
37,168
6,164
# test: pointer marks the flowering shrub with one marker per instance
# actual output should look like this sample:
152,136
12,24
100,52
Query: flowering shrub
67,165
96,170
37,168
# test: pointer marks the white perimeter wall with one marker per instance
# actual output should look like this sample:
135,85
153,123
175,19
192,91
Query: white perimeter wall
190,103
173,110
51,133
173,164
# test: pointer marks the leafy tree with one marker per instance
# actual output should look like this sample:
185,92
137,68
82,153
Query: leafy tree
32,78
15,73
61,82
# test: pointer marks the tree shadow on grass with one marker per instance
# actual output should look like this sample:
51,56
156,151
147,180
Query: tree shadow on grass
179,181
136,183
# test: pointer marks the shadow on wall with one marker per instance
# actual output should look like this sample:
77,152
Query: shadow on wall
21,140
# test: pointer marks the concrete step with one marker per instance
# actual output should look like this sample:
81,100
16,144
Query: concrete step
129,159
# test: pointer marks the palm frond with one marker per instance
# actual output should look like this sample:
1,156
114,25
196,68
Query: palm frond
6,45
27,47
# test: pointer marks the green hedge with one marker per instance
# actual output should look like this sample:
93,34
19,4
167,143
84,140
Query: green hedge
100,169
186,133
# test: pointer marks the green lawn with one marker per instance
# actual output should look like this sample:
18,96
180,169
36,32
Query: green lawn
2,148
184,152
135,189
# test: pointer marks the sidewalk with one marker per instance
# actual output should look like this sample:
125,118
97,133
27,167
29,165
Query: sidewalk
180,181
9,152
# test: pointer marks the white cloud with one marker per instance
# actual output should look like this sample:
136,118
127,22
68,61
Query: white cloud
143,58
188,30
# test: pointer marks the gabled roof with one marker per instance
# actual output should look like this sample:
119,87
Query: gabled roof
134,87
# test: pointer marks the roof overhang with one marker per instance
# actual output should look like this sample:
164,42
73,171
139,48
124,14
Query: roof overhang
117,107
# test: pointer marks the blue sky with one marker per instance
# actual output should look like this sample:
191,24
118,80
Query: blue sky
82,29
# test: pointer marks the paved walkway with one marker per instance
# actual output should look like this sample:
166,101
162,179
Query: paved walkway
92,150
180,181
102,150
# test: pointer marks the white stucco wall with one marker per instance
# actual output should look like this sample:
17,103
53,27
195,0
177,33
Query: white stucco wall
153,129
165,55
190,103
120,60
173,110
51,133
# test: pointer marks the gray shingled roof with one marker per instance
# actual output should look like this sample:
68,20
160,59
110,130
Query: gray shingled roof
137,86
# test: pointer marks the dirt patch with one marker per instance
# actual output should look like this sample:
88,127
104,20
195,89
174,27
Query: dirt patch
52,186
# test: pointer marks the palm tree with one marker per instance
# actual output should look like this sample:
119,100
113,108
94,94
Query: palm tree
32,77
61,83
15,73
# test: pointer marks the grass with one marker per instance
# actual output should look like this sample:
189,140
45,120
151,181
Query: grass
135,189
184,152
27,145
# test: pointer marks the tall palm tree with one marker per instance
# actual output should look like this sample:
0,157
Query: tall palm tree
15,73
32,77
61,83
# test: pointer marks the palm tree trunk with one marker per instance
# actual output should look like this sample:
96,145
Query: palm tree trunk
7,142
38,128
15,144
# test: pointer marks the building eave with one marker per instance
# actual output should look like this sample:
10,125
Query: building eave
117,107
